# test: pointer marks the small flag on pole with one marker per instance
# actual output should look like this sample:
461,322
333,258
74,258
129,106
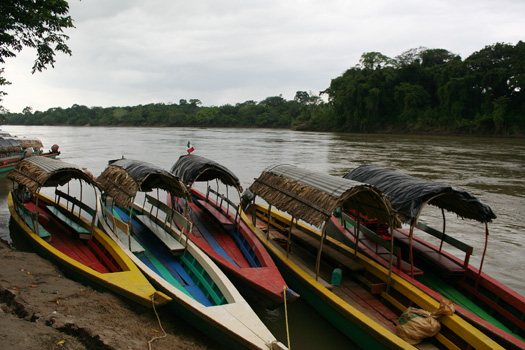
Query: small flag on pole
190,147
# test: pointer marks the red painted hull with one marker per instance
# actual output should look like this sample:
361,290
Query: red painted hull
486,282
265,279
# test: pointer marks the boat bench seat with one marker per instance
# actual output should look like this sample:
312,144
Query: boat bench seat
27,212
121,229
445,265
223,219
402,265
130,242
431,256
165,237
385,255
82,231
42,232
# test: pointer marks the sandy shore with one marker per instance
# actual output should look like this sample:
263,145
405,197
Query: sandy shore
42,309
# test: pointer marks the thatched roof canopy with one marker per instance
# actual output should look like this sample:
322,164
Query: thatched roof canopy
409,195
123,178
26,142
8,145
36,172
312,196
191,168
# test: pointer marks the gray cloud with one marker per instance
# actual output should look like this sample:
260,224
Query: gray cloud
137,52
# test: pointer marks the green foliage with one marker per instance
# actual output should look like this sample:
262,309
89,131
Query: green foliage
420,91
433,90
33,24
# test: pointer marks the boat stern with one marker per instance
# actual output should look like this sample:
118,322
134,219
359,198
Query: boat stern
159,299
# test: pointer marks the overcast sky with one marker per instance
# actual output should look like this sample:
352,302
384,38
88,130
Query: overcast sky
131,52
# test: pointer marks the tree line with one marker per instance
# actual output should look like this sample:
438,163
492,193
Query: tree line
419,91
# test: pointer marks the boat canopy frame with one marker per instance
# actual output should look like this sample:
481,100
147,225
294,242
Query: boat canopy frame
313,197
37,172
191,168
34,173
409,195
123,178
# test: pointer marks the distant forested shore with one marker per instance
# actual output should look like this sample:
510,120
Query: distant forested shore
425,91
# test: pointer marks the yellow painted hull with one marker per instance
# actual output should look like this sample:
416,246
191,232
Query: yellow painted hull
472,336
130,282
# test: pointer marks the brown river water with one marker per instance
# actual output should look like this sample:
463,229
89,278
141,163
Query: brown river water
491,168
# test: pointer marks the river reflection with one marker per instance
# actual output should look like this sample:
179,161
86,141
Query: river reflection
490,168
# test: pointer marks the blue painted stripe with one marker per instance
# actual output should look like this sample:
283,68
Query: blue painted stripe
210,239
157,253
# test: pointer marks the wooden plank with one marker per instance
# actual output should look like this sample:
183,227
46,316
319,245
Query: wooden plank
171,213
216,213
68,221
393,301
121,229
108,262
450,240
203,229
165,237
76,202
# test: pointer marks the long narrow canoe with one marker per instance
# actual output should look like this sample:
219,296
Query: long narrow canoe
367,303
220,233
155,237
60,233
493,307
13,149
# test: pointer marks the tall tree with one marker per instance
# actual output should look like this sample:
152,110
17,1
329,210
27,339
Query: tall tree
35,24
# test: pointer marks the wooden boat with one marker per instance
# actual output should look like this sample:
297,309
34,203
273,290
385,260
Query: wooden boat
488,304
58,229
13,149
220,233
155,237
367,302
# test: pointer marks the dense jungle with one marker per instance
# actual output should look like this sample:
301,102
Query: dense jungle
423,91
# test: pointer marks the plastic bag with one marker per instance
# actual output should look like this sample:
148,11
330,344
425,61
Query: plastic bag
414,324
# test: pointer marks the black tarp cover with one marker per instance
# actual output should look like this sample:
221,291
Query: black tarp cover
409,194
123,178
36,172
191,168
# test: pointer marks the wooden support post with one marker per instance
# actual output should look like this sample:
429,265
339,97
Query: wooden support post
318,260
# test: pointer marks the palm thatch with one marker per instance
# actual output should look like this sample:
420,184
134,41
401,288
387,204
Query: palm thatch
122,179
118,184
28,142
37,172
313,197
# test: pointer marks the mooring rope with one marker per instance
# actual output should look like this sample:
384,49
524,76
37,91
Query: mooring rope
160,325
286,318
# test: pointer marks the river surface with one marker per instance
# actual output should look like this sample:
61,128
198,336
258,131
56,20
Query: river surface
491,168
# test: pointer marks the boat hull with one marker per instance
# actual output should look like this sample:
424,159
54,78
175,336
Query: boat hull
234,323
129,282
350,321
506,339
265,278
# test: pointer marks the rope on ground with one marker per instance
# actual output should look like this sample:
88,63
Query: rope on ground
160,325
286,318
